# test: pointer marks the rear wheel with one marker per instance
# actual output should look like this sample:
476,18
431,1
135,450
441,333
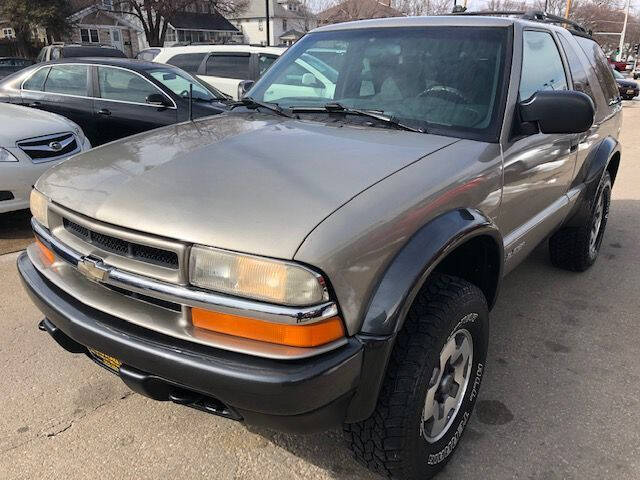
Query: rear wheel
431,383
576,248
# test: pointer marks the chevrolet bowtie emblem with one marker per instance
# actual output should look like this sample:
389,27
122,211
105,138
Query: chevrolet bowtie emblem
93,269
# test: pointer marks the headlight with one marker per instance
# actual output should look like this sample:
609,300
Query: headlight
254,277
7,156
39,205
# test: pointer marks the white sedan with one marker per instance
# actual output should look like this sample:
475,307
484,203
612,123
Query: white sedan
32,141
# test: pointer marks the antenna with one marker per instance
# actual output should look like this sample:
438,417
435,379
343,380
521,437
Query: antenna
191,102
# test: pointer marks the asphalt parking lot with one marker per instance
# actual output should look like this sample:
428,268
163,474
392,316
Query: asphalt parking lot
560,399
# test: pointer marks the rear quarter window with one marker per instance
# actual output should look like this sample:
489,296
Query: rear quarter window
601,68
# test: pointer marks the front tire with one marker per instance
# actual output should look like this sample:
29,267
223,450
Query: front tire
431,384
576,248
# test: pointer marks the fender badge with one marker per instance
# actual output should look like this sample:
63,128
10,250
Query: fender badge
93,269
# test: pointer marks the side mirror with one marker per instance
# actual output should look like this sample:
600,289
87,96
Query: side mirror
243,87
559,111
157,100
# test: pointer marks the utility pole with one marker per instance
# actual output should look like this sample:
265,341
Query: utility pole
266,4
624,30
568,9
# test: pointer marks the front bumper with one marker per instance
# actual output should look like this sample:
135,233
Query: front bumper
302,396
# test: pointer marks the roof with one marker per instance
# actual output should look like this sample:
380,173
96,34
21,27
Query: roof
293,33
431,21
131,64
77,5
357,10
201,21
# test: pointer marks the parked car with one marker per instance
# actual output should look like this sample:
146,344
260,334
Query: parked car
112,98
30,143
628,88
9,65
620,66
224,67
307,262
73,50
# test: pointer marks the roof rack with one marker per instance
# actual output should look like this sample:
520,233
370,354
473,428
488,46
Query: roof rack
532,15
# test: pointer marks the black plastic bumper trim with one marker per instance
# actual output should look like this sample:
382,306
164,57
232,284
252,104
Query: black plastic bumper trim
255,385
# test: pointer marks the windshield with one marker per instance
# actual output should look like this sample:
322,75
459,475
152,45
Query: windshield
179,83
442,78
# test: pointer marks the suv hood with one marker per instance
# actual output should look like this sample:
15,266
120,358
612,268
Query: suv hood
249,182
20,123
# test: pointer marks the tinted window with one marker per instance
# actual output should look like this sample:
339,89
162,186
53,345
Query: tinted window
148,55
67,79
189,62
601,67
228,66
264,62
70,52
578,72
412,74
123,85
36,82
541,65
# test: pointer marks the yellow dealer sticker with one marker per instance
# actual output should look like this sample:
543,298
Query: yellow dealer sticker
106,361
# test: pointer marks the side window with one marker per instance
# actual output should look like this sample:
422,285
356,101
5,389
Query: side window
264,62
578,72
56,53
123,85
189,62
228,66
67,79
541,64
36,82
42,55
601,67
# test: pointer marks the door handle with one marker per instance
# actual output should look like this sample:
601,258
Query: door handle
35,104
104,111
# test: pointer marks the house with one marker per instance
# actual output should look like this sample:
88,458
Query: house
6,31
288,21
201,27
349,10
98,22
95,22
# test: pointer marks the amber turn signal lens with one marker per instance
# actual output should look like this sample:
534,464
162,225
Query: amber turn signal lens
291,335
46,253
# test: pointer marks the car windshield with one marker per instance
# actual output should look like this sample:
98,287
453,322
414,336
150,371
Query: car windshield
447,78
617,74
178,83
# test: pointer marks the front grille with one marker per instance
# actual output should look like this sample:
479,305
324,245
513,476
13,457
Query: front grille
50,147
135,251
154,301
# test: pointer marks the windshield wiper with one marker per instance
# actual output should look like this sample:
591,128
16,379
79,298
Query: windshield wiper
253,104
336,107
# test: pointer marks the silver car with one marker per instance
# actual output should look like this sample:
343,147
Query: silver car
326,258
31,142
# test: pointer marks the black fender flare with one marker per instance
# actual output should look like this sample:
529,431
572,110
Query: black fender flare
589,176
409,269
399,285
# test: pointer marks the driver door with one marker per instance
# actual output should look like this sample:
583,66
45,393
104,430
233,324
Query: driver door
538,168
121,107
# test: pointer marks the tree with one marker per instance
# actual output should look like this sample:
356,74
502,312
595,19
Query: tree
155,15
26,16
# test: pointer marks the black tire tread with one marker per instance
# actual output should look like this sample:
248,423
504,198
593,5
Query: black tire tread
569,246
377,442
